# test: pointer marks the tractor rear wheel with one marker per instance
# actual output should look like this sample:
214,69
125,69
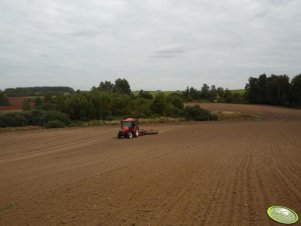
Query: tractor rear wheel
130,135
136,134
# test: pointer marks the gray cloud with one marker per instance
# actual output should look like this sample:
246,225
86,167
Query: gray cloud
169,51
155,44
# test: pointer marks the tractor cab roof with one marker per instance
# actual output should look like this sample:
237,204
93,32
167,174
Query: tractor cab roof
129,120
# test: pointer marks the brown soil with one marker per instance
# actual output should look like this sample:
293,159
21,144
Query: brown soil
205,173
15,104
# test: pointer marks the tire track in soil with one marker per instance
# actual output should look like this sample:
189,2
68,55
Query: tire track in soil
234,192
43,148
210,196
28,143
264,179
281,172
291,161
184,192
169,197
162,179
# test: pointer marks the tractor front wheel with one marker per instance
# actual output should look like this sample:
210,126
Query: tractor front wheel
130,135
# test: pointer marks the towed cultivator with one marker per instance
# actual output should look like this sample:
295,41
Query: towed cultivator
129,128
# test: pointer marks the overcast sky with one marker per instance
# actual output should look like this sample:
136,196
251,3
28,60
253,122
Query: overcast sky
154,44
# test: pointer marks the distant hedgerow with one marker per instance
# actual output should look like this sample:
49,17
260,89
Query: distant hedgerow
198,114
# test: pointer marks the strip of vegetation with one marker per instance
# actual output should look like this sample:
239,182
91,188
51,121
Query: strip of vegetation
112,101
37,91
3,99
198,114
212,94
105,104
41,118
274,90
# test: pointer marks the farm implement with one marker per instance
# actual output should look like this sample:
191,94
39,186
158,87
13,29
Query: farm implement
129,128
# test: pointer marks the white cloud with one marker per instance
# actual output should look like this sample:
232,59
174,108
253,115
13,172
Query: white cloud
155,44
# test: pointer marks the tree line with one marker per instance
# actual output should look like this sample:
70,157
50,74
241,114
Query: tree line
213,94
108,101
3,99
115,100
271,90
274,90
36,91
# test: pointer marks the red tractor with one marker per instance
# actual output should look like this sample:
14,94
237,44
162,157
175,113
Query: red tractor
129,128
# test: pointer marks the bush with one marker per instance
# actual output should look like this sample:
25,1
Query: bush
177,102
141,108
55,124
145,95
48,107
48,116
159,104
26,105
38,102
173,111
198,114
3,99
13,119
34,118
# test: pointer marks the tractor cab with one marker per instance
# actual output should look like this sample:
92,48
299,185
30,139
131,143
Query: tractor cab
129,128
129,122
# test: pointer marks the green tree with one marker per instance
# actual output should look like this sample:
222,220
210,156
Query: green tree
80,107
38,102
262,97
220,94
145,95
205,91
213,93
175,105
186,94
228,96
106,86
121,105
295,91
176,101
141,107
159,104
3,99
252,90
48,98
194,93
26,105
122,86
105,105
278,89
269,90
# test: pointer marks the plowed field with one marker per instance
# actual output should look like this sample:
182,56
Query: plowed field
192,173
